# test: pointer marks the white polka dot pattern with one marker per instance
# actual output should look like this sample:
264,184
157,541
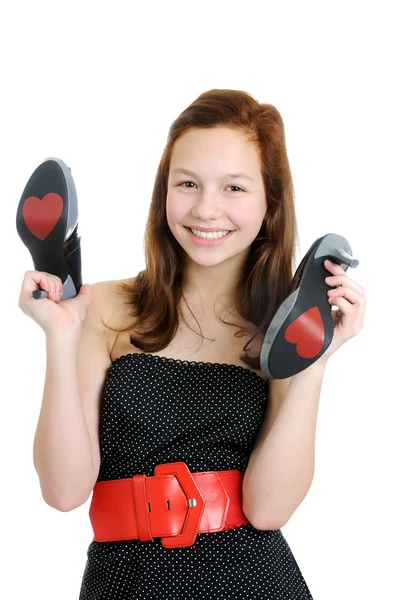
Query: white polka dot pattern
157,410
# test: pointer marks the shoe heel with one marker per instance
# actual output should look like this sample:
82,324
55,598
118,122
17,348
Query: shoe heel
347,259
337,249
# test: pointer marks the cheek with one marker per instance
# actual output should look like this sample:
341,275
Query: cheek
174,211
249,218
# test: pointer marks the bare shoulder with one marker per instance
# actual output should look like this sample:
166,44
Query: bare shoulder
110,308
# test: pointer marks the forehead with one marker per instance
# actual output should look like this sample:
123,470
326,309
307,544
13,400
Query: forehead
220,147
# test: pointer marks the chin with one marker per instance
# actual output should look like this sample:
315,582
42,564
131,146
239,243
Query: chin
213,260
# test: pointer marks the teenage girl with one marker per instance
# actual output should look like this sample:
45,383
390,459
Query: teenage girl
162,371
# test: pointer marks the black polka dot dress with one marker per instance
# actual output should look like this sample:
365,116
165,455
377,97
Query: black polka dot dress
157,410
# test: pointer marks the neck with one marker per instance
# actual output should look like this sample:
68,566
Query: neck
211,288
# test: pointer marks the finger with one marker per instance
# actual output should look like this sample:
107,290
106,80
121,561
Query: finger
351,315
51,291
34,280
349,294
59,287
56,287
348,301
333,267
52,285
346,307
344,280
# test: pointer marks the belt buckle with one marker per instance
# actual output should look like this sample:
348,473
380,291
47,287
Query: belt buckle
195,502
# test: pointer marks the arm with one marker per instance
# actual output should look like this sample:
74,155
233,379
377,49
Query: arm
66,446
281,466
282,462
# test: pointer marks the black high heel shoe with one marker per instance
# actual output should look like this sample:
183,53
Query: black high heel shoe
302,327
47,219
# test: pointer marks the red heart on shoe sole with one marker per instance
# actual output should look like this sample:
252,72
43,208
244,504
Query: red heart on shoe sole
307,331
41,216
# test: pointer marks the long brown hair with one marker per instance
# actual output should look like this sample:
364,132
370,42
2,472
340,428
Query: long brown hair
156,292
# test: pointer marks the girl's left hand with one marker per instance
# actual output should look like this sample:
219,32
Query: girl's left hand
351,301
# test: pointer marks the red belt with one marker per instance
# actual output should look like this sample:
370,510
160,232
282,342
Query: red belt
174,505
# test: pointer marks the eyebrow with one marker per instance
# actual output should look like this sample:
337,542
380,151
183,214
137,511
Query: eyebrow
228,175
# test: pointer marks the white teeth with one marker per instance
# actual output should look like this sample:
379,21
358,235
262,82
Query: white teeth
211,235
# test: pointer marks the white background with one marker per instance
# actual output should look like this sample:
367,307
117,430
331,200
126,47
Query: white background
98,85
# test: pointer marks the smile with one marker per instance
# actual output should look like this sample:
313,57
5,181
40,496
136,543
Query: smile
209,238
210,235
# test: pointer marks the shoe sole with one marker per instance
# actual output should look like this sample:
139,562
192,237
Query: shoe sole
47,215
302,328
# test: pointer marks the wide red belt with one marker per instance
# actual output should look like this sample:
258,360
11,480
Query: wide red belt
174,505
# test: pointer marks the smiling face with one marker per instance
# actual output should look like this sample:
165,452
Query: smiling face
215,186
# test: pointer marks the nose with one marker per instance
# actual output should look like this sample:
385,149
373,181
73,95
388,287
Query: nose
207,206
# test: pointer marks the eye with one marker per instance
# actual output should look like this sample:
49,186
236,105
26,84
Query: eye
182,184
239,189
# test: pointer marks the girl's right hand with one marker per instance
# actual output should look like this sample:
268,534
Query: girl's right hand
50,313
